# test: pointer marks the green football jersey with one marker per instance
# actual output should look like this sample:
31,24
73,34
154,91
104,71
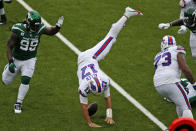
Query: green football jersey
27,43
192,29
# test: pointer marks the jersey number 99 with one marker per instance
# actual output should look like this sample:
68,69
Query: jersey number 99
27,45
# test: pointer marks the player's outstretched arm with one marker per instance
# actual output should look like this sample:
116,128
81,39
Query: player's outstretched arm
108,118
185,69
54,29
86,116
178,22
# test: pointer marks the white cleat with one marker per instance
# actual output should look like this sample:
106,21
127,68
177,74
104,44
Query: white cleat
131,12
17,108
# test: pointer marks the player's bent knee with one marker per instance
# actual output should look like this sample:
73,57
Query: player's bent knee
25,80
6,82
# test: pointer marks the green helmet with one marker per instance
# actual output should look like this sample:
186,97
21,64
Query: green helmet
33,20
190,17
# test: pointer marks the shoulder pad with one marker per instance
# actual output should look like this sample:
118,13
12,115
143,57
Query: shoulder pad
180,48
17,27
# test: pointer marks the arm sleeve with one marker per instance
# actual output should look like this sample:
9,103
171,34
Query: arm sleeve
107,92
83,90
83,100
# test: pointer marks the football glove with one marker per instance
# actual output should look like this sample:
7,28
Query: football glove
60,22
12,66
182,29
164,25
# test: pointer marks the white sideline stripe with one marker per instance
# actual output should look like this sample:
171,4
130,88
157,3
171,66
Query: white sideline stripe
113,83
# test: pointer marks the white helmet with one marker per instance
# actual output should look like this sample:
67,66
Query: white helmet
95,85
167,41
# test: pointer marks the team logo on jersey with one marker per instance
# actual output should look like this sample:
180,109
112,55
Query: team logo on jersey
22,34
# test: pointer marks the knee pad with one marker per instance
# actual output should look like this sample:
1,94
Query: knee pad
25,80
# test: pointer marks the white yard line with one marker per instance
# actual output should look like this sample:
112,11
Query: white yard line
113,83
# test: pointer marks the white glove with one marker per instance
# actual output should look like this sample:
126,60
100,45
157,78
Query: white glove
182,29
60,21
164,25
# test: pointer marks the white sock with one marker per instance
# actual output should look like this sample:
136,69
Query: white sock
2,11
187,113
22,91
116,27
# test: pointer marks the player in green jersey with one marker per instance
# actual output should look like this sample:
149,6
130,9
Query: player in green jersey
22,49
2,13
189,21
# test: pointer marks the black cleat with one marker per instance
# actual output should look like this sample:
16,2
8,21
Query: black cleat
8,1
18,108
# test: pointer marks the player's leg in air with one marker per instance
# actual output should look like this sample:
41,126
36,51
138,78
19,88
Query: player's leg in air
27,70
2,13
100,50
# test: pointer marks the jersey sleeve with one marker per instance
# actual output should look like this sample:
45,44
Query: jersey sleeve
106,83
84,91
42,29
107,92
16,28
180,49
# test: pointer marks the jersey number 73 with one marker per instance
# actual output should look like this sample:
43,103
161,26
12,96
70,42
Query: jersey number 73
167,59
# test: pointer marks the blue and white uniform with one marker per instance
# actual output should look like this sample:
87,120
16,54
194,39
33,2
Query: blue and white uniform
88,62
167,79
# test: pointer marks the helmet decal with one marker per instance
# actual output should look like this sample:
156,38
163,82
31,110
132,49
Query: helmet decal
98,84
167,41
170,40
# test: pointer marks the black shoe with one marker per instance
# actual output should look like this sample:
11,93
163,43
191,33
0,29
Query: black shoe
2,22
7,1
18,108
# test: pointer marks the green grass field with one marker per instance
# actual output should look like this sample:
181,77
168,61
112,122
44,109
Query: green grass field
52,103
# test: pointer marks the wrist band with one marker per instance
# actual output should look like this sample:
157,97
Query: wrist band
90,124
109,112
11,61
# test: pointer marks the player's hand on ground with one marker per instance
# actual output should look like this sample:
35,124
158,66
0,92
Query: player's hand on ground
94,125
164,25
60,21
182,30
109,120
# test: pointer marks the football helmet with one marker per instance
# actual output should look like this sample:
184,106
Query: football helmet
95,85
190,17
167,41
33,20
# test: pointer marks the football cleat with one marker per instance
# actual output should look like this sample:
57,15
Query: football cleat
2,22
7,1
131,12
18,108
